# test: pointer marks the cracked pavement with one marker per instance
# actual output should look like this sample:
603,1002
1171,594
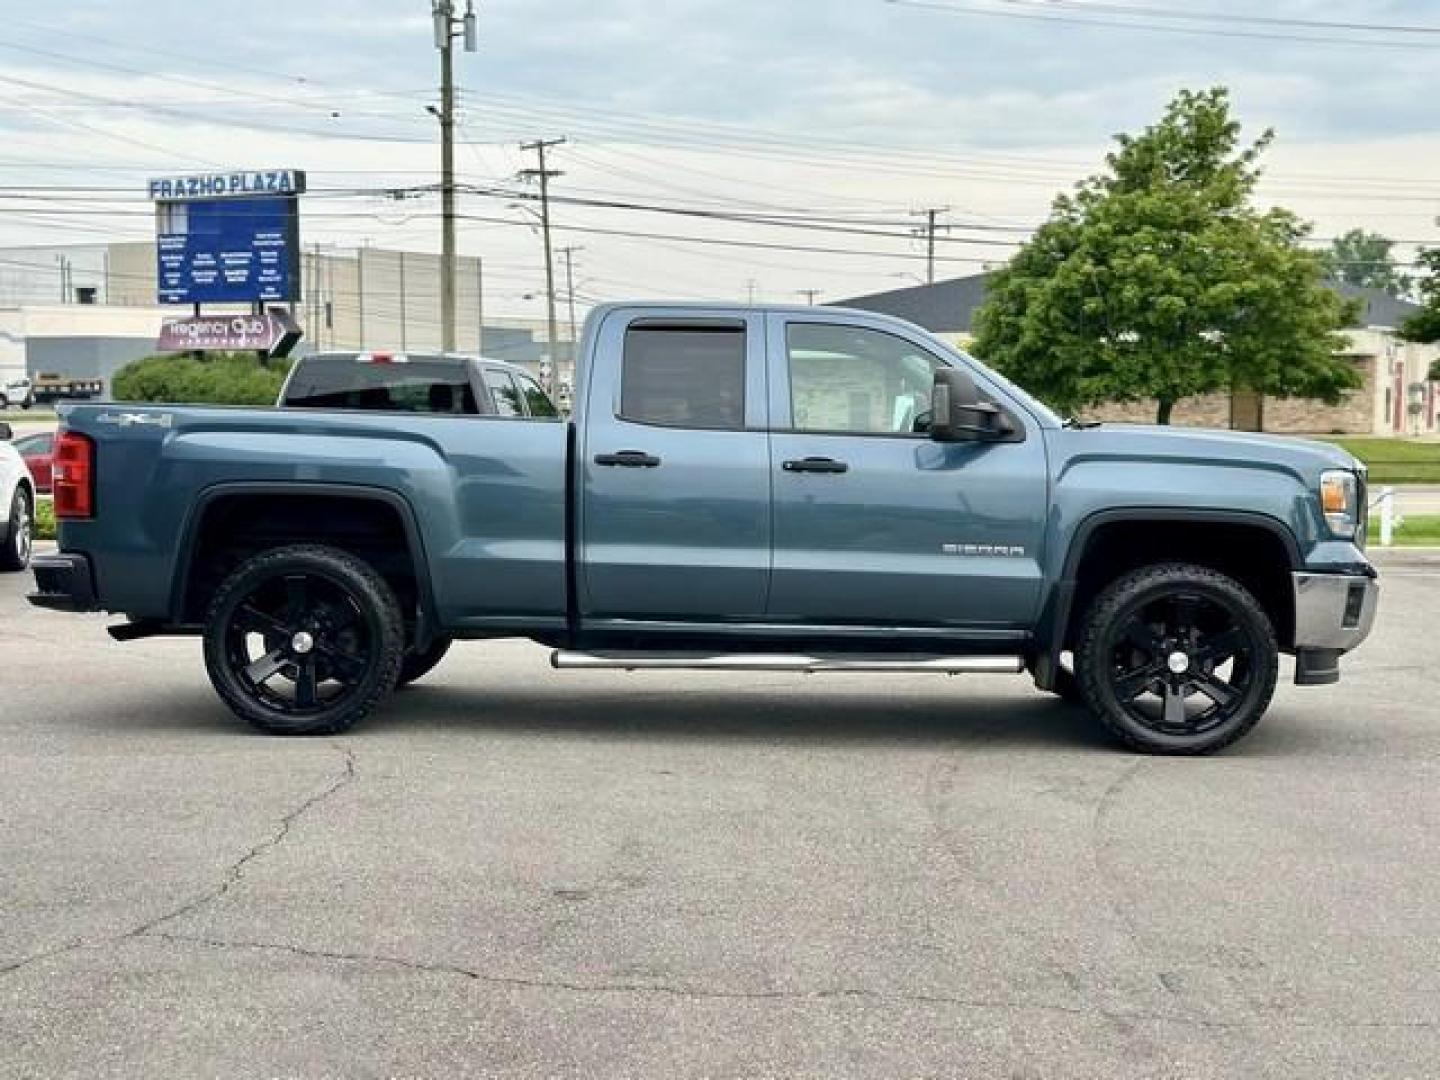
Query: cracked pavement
517,872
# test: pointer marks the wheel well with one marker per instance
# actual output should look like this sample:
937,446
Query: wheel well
235,527
1253,555
23,482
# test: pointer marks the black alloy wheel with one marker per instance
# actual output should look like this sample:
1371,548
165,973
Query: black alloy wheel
1177,659
304,640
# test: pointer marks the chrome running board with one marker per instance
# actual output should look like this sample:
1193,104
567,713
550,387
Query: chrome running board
639,660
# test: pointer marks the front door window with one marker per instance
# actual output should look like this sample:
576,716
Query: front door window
852,380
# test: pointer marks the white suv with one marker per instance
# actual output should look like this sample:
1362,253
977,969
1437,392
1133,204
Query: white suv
17,506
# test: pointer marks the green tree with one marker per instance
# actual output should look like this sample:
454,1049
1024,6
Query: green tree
1366,259
1159,280
1424,325
219,379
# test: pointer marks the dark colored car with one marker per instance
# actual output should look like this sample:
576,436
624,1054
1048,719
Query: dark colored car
38,452
444,383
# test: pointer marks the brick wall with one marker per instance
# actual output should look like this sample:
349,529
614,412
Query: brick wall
1353,416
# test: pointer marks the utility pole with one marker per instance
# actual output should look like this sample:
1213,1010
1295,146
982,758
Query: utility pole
809,294
480,306
569,253
447,28
928,231
545,175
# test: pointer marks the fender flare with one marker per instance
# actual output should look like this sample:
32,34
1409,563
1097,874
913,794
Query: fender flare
190,536
1059,602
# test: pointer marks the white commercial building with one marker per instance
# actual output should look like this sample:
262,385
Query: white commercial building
84,310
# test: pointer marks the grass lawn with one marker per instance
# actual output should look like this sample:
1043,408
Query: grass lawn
28,416
1419,530
1396,461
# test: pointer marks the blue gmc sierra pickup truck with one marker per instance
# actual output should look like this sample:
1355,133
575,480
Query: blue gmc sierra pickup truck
741,488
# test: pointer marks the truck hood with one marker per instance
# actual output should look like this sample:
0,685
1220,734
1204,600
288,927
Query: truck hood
1306,458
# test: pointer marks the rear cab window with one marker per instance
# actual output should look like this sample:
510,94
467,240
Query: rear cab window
380,383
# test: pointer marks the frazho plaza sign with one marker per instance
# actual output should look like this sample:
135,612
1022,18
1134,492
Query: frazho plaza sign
222,185
228,237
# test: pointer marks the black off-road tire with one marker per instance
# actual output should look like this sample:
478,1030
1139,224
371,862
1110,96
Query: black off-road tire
19,531
1094,654
417,665
373,599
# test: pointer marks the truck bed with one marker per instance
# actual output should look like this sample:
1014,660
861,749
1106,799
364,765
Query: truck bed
490,491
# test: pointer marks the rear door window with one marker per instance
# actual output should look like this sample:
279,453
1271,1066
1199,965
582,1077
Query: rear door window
536,399
684,376
409,386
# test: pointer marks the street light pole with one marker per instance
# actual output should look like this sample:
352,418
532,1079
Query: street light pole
447,28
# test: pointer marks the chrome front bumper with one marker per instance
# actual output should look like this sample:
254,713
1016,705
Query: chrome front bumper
1334,612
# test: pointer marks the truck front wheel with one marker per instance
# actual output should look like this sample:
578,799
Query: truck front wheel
1177,659
304,640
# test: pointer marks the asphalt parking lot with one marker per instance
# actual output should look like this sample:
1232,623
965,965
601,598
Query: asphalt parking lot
514,872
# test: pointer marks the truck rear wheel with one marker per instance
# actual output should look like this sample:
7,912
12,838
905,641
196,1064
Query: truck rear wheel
304,640
1177,659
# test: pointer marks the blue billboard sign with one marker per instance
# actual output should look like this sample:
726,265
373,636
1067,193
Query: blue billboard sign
229,244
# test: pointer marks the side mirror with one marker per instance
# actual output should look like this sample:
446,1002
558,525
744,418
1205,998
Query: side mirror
958,415
6,432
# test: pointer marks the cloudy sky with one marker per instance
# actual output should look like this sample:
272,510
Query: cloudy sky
830,121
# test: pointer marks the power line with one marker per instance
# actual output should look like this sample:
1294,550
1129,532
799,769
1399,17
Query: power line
83,204
1225,17
952,8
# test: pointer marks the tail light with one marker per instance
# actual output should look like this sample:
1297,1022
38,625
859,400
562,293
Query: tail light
73,475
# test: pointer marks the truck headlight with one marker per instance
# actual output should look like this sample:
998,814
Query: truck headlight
1340,502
